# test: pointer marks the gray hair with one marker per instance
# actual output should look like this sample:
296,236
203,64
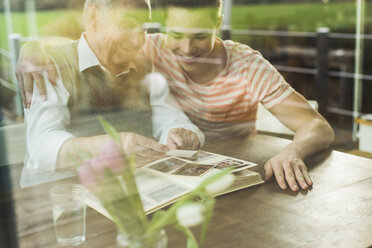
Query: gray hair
104,4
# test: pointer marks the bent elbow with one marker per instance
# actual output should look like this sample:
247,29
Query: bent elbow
328,133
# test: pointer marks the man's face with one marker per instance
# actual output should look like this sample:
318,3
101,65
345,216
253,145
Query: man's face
191,35
122,33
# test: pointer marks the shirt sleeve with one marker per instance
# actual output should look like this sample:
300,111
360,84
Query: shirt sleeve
46,127
152,46
166,113
268,85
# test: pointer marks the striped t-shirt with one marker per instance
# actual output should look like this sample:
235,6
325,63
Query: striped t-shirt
227,104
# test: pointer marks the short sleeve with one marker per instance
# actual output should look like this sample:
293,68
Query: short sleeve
268,86
152,46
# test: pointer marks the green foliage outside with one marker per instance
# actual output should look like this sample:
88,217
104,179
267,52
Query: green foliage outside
54,22
306,17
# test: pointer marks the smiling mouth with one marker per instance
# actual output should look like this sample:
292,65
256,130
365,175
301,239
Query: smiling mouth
188,59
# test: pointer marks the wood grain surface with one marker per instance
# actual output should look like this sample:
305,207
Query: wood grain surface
336,212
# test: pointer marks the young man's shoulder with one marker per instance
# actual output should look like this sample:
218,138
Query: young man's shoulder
237,49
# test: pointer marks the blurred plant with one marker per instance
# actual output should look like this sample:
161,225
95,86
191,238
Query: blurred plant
110,176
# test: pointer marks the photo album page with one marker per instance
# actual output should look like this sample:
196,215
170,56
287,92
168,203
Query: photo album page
164,181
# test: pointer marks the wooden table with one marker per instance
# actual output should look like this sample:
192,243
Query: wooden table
336,212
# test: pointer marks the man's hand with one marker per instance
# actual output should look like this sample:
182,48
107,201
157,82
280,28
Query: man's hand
290,169
180,138
32,61
313,134
145,149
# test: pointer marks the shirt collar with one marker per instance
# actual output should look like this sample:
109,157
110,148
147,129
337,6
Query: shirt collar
88,59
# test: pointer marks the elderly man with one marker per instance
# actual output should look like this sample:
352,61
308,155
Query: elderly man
101,74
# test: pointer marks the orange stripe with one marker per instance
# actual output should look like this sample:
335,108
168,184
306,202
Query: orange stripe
228,113
233,118
209,97
192,103
225,112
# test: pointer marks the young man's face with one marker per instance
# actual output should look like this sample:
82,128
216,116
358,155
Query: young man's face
191,35
122,33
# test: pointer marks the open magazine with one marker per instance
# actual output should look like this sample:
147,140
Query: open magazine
164,181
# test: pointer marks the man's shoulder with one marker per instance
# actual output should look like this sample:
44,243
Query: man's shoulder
66,52
66,60
240,49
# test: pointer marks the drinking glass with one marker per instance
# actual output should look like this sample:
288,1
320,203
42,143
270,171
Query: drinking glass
69,213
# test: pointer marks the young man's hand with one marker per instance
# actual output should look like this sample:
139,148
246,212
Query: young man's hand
312,134
288,169
180,138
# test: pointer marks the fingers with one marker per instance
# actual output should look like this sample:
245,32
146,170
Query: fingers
22,89
143,146
174,140
306,175
152,145
144,154
26,84
301,174
288,172
180,138
52,75
40,85
279,175
268,171
193,141
28,87
171,144
300,178
31,62
289,176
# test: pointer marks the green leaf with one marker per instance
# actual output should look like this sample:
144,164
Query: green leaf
110,130
157,216
191,241
209,203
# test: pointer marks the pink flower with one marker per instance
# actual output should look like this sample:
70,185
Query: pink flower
87,176
92,171
97,165
112,157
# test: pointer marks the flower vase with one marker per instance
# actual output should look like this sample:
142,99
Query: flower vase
153,240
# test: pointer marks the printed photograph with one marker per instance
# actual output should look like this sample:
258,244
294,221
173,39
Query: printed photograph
231,163
168,165
202,155
193,170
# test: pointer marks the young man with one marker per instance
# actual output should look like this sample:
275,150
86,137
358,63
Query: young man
219,84
99,75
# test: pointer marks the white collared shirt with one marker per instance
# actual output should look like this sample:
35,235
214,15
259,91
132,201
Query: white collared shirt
47,120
